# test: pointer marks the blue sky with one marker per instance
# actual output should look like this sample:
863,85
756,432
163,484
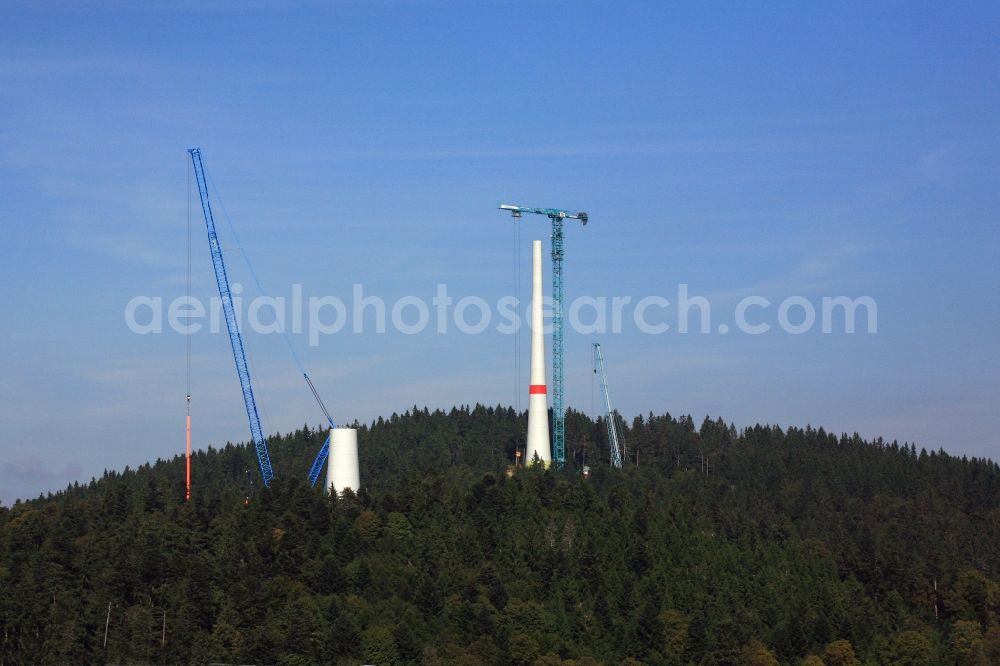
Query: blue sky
788,150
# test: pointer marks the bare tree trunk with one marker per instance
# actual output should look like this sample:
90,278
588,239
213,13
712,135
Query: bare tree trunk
107,622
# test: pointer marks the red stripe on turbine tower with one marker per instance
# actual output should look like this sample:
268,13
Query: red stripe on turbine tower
537,388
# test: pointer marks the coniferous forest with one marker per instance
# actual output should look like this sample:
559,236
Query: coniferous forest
761,546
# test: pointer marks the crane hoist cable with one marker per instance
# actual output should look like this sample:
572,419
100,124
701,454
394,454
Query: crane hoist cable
517,331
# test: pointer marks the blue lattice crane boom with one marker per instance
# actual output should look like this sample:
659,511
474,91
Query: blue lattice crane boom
235,338
615,441
324,452
557,216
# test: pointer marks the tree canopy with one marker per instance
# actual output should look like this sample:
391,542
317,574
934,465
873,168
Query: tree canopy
759,546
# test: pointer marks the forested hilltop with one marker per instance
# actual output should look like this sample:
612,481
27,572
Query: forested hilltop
763,546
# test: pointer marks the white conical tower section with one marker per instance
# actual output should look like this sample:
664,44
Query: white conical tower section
538,404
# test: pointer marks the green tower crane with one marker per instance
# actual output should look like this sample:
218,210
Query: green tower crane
558,404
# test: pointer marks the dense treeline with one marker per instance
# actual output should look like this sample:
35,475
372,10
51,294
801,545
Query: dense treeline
765,546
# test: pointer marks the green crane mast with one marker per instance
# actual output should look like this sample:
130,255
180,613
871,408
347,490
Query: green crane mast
558,399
